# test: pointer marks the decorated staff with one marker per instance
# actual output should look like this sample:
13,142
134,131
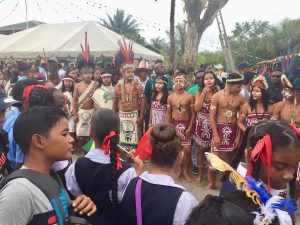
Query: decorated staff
129,98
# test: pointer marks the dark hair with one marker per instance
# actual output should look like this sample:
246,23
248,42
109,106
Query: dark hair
248,77
63,87
17,90
36,120
282,136
232,209
164,97
41,97
232,76
202,83
70,68
264,98
165,145
102,123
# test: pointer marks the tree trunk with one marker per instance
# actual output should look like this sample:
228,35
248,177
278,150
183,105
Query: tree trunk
196,26
172,37
191,45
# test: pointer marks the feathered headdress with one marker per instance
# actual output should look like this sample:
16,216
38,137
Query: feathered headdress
270,207
85,59
289,66
261,81
125,55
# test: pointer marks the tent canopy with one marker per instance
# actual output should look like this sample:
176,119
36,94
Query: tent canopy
64,39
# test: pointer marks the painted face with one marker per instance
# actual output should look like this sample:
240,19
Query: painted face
68,83
129,74
106,80
284,164
58,144
256,93
159,85
287,93
209,80
179,83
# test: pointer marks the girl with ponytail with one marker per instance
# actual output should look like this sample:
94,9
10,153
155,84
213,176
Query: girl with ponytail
154,197
274,153
100,174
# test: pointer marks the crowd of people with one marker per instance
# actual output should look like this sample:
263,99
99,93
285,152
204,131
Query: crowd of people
246,121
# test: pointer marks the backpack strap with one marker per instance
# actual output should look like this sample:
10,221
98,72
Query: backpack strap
54,190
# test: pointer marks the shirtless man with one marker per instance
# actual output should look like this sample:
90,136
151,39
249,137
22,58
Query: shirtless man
181,113
223,116
288,110
129,101
83,105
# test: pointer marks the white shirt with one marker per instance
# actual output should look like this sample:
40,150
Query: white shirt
98,97
186,202
97,155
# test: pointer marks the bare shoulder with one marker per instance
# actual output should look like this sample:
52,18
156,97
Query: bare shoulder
278,105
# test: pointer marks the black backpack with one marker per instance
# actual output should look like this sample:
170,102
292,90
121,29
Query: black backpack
54,190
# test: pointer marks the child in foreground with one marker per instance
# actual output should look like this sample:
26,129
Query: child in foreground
154,197
101,174
43,144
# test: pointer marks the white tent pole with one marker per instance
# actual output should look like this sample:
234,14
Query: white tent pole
26,15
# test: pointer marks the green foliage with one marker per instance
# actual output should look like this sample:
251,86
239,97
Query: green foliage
124,24
210,57
259,40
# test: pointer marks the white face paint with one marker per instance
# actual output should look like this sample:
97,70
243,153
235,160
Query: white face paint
179,83
159,85
256,93
287,93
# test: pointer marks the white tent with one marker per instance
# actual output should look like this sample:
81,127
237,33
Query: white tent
64,39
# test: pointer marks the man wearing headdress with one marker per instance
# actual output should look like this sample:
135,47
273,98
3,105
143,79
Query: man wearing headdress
181,113
288,110
129,98
223,116
83,105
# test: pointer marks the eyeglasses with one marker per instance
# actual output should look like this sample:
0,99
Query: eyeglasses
198,78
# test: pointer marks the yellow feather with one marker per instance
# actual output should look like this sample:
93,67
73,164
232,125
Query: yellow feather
234,177
218,163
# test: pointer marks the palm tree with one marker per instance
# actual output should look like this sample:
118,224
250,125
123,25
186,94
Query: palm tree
172,36
125,25
159,43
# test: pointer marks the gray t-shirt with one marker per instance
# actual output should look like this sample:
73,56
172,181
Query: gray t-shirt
22,202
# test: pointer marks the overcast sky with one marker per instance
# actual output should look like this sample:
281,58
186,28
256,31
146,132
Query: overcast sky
152,15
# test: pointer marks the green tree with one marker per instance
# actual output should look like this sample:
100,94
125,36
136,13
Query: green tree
125,25
259,40
248,41
210,57
200,15
159,43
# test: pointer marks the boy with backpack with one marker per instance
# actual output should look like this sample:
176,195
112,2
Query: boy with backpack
34,194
